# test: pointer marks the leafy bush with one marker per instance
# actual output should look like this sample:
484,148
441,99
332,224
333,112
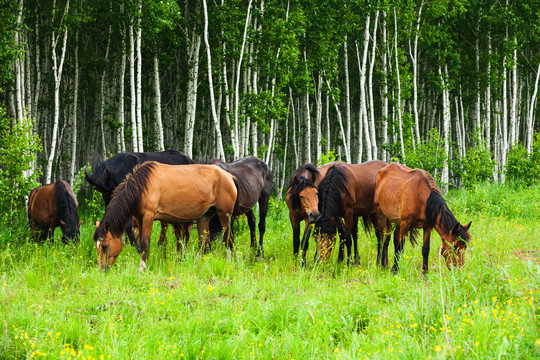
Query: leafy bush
18,148
328,157
428,155
522,168
478,165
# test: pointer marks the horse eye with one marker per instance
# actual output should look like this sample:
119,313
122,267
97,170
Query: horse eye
301,197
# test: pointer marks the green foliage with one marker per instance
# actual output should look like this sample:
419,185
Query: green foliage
478,165
95,205
428,155
327,157
18,148
522,168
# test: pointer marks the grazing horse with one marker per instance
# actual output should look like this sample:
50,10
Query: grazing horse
54,205
303,201
412,200
175,194
107,175
254,180
347,192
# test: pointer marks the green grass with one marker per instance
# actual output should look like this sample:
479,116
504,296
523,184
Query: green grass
55,302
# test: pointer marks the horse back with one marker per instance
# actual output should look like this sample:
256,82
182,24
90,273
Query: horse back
402,193
361,185
41,206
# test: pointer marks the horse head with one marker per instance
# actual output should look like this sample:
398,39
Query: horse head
454,245
70,231
107,244
306,195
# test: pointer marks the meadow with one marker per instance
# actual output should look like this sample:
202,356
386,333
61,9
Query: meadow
55,303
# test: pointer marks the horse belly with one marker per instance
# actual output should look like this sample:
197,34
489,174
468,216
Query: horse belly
183,204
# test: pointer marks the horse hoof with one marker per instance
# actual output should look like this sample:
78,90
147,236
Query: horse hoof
142,266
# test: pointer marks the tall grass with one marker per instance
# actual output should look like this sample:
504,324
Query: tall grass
56,303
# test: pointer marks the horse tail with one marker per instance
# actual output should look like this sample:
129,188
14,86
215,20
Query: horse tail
236,209
413,234
330,190
368,224
97,166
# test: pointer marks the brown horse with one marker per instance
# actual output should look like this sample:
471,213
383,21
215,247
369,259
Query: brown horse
172,193
347,192
181,232
54,205
303,202
411,200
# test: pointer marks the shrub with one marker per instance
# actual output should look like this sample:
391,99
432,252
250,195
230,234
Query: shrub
326,158
522,168
478,165
18,148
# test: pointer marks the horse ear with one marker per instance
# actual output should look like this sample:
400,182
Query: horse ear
97,224
468,225
106,227
455,229
79,225
296,180
62,223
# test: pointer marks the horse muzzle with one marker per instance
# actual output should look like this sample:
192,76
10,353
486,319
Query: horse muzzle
314,217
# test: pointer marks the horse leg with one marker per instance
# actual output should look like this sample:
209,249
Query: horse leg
425,250
342,241
251,224
181,231
385,238
263,211
131,237
399,236
204,236
305,241
228,237
145,229
295,224
162,242
354,235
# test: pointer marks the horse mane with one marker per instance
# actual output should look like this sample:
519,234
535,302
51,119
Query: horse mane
306,167
66,205
330,189
436,206
295,188
430,181
126,196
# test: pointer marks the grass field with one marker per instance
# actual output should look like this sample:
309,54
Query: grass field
55,303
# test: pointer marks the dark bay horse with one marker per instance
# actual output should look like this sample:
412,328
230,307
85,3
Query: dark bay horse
412,200
174,194
254,180
107,175
347,191
54,205
303,201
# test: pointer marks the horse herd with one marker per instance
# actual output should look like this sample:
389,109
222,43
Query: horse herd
168,186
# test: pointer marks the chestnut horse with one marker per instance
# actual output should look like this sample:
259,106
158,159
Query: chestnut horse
347,192
303,201
54,205
412,200
254,181
107,175
171,193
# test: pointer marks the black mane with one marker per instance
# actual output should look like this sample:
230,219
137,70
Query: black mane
330,190
436,205
296,187
66,205
126,197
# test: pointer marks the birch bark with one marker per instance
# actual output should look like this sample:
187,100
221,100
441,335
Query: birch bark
157,91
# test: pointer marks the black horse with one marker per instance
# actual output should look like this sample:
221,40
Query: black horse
107,175
254,182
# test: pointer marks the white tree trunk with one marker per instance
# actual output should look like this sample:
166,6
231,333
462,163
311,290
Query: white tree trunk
237,85
193,78
513,104
347,97
102,97
340,121
294,136
57,72
374,149
121,118
134,133
74,113
318,116
157,90
488,96
478,120
385,89
363,118
398,103
414,58
139,81
446,123
221,152
20,106
530,115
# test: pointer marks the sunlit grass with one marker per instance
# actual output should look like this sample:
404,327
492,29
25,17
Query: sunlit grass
57,304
